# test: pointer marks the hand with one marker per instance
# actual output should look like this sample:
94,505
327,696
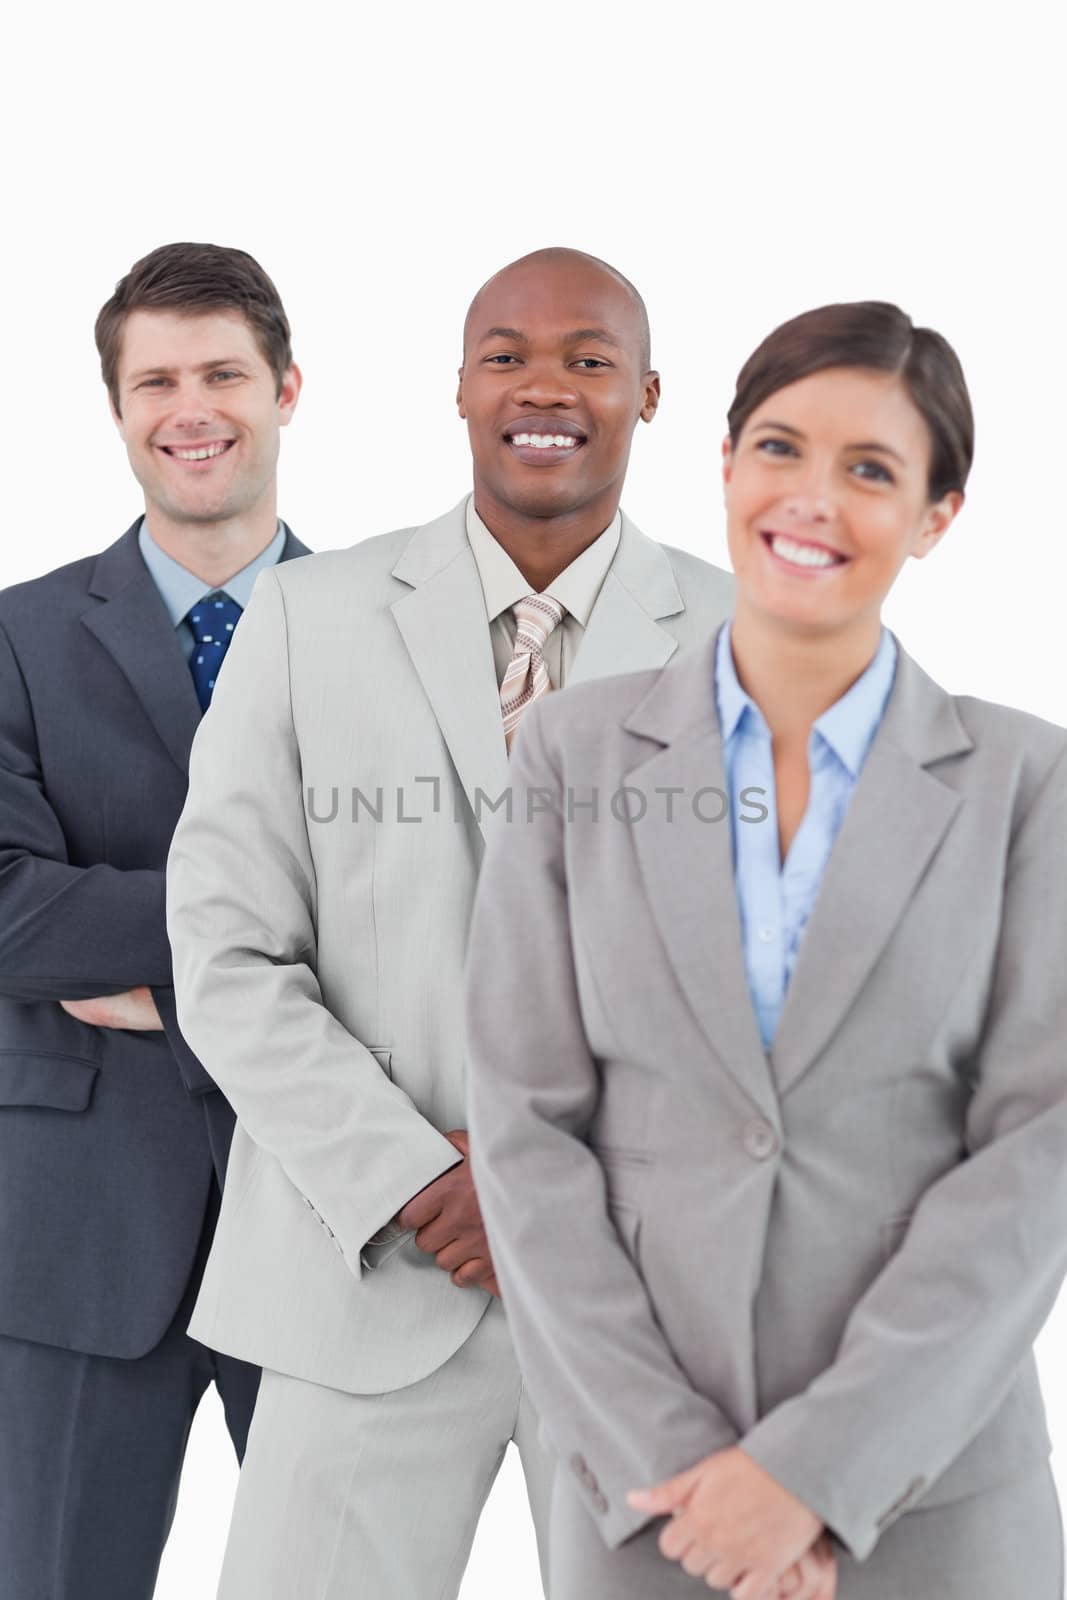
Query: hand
732,1524
134,1008
448,1220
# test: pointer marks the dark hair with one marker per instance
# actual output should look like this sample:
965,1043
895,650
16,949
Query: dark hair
195,278
874,334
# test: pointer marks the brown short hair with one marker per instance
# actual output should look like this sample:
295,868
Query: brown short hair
195,278
878,335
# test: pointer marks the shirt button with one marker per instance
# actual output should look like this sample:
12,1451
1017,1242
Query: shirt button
766,935
578,1466
760,1140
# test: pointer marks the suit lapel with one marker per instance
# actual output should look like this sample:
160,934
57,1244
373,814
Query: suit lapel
135,629
443,623
623,633
687,867
897,817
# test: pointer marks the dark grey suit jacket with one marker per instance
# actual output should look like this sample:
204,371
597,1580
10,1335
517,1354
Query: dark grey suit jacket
108,1137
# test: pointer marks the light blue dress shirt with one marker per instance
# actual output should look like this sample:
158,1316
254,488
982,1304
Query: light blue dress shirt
180,589
775,900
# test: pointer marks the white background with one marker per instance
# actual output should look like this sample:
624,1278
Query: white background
740,162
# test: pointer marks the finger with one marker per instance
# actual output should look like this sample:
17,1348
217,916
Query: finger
472,1274
756,1584
493,1287
438,1235
453,1255
423,1207
662,1498
458,1137
797,1580
676,1538
718,1573
698,1560
827,1588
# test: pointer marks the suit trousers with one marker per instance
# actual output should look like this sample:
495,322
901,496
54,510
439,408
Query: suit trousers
377,1496
91,1452
1005,1543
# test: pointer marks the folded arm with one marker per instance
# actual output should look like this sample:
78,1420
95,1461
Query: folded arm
69,932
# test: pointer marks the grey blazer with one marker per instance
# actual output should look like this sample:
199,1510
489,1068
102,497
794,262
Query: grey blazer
320,884
837,1253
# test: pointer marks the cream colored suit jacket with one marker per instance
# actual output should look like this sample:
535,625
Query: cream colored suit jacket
320,885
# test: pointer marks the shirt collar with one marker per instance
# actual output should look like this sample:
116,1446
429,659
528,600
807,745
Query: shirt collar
181,589
576,588
847,727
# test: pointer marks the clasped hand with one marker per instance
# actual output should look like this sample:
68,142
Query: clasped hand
448,1223
134,1008
736,1527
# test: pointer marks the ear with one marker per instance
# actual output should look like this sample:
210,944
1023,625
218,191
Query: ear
459,396
289,394
727,463
651,396
938,518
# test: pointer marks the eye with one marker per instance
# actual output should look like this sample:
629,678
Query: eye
152,383
873,472
776,447
224,372
590,362
503,356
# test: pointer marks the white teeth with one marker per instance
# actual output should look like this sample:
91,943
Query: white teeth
546,441
205,452
801,555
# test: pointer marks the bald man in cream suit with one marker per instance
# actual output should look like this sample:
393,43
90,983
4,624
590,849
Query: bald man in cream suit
319,893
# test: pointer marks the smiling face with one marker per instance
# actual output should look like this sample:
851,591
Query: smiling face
552,386
200,414
827,497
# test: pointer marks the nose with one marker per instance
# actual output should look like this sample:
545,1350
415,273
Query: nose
191,407
807,507
811,492
543,386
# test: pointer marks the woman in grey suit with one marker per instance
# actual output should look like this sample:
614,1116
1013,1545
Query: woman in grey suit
768,1046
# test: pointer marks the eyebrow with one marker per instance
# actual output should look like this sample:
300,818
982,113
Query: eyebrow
601,335
204,366
504,333
860,444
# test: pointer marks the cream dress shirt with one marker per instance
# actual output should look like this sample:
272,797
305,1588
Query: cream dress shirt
576,589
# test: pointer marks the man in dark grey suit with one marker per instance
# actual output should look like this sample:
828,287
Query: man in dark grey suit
113,1138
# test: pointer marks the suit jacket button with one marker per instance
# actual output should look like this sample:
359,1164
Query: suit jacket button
760,1140
578,1467
599,1503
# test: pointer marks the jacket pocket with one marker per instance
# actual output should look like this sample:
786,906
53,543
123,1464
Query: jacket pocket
625,1174
383,1054
893,1231
42,1078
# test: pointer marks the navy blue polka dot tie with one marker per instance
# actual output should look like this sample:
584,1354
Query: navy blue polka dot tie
213,620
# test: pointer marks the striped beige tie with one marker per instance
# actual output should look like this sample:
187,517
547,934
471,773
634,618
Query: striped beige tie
526,676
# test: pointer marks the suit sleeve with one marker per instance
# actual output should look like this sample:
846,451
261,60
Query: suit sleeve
620,1411
931,1350
241,910
70,932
